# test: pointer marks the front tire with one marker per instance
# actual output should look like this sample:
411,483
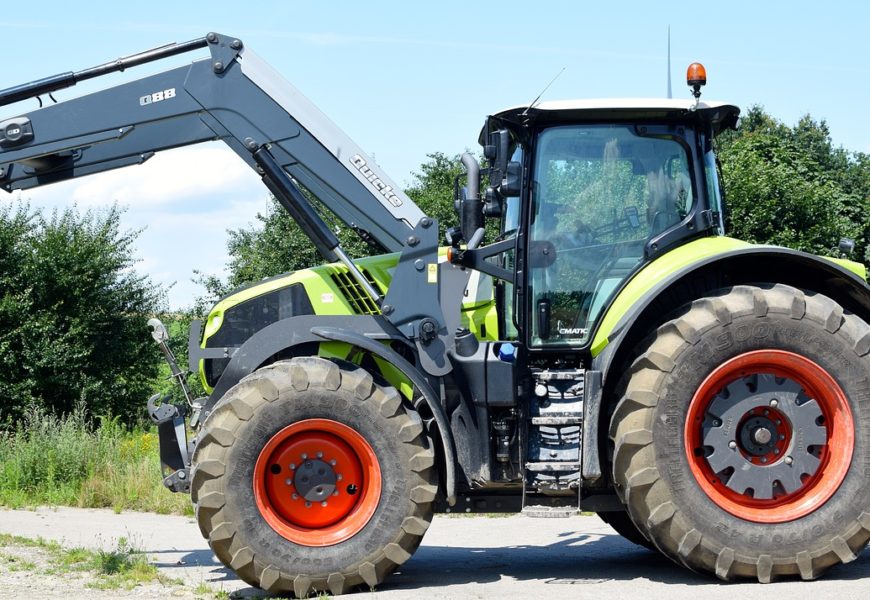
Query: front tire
311,477
742,443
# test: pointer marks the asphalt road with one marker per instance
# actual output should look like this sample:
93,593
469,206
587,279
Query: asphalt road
461,557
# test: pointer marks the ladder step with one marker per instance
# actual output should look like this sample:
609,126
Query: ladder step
549,512
557,420
553,467
561,375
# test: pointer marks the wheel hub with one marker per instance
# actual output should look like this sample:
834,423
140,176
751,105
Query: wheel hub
761,434
768,436
755,466
315,480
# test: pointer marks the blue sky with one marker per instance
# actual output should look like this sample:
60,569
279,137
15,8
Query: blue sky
404,79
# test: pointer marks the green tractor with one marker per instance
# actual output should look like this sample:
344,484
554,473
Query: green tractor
610,351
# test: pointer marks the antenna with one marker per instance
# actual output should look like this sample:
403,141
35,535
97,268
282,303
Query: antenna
670,95
546,87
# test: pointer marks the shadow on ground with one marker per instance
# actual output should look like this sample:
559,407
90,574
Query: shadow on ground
574,559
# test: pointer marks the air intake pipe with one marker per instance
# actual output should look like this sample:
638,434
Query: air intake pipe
472,206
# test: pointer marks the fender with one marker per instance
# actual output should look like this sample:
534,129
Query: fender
710,270
744,264
363,331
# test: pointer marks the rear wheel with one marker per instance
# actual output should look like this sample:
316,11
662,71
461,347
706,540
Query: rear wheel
310,477
624,526
742,443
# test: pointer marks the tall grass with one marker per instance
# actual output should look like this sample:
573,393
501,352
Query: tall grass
70,461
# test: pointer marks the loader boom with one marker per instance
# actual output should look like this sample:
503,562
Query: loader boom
234,97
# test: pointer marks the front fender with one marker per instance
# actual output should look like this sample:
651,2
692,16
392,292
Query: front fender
287,333
363,331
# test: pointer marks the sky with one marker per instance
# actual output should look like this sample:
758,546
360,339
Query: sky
405,79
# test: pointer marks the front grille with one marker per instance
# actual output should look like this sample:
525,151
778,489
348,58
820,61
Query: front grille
356,296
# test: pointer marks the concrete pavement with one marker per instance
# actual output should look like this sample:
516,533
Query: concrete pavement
461,557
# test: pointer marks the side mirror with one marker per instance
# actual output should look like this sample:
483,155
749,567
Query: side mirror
510,185
846,246
496,152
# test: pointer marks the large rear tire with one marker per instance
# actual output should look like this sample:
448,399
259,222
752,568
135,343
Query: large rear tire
625,527
309,477
742,443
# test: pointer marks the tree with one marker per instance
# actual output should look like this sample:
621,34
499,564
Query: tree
276,244
790,186
433,186
72,315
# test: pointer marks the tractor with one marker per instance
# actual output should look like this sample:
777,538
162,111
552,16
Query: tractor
608,349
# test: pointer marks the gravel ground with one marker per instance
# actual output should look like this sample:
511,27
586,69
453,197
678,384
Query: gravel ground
29,573
461,557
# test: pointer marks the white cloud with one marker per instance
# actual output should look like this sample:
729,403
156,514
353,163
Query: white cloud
169,177
183,201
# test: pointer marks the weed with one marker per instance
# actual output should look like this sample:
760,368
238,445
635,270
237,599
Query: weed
123,567
16,563
68,461
202,589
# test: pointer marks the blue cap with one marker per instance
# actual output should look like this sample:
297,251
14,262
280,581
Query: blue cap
507,352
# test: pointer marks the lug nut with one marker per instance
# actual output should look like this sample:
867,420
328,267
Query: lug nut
295,496
788,460
288,481
732,444
307,504
335,493
774,403
304,456
339,476
332,462
292,466
323,503
320,455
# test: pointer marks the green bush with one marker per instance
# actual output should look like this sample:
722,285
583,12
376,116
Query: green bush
790,186
72,315
67,460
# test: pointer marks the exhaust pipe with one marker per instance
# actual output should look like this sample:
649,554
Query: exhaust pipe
472,207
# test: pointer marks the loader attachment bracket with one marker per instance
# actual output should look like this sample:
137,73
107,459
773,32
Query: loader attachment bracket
172,435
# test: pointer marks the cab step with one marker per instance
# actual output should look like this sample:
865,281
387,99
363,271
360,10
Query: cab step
553,467
549,512
557,421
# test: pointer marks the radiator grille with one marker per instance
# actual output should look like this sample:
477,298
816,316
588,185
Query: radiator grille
355,295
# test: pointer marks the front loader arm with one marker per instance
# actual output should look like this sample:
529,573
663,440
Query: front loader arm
234,97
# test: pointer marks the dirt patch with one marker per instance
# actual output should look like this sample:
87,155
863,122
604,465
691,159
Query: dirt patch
35,569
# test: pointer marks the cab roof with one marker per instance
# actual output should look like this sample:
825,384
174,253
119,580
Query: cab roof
720,114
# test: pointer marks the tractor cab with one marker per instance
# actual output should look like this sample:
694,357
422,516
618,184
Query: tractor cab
592,191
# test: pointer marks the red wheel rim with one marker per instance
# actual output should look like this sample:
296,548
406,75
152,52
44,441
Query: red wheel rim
772,418
317,482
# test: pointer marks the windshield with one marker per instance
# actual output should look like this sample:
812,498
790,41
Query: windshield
599,192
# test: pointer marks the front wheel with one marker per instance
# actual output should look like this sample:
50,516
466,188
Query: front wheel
308,476
742,443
